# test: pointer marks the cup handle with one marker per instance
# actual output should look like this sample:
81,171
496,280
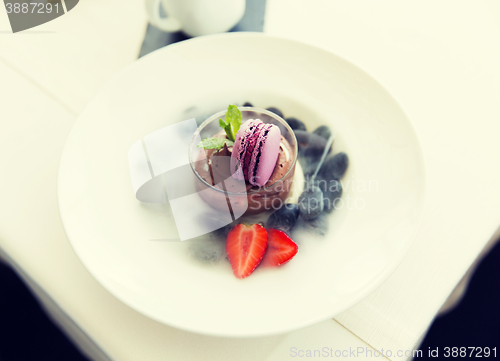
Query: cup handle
169,24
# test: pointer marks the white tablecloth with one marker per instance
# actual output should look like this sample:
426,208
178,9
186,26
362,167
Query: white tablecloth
440,61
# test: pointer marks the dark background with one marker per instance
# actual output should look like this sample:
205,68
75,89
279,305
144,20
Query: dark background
27,334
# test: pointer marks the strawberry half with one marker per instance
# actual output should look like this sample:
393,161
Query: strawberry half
280,249
245,247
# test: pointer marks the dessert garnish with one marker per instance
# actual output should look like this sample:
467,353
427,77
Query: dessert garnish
295,124
335,167
255,152
231,125
276,111
284,218
249,246
311,201
245,247
215,143
280,248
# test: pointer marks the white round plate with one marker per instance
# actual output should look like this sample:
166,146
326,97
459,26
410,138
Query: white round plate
112,233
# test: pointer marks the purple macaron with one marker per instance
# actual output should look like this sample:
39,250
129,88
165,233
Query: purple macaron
255,152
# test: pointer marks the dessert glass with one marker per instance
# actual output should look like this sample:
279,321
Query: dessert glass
247,199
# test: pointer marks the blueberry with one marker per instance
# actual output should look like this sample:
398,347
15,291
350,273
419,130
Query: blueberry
311,147
309,160
323,131
318,225
247,104
311,202
332,190
312,142
334,167
303,138
295,124
276,111
284,218
307,167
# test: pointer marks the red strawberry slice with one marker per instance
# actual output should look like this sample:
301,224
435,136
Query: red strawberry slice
280,249
245,247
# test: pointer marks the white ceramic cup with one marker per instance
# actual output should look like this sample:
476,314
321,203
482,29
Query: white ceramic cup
196,17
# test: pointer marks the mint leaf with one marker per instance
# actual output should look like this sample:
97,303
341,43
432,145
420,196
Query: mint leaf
214,143
226,127
222,124
232,123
